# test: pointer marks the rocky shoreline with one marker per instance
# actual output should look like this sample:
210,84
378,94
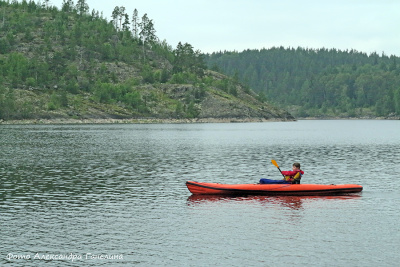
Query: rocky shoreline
137,121
172,121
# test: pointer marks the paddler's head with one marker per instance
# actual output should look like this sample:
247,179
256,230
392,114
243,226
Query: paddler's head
296,166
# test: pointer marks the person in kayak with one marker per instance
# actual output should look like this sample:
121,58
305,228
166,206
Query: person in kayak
294,176
291,177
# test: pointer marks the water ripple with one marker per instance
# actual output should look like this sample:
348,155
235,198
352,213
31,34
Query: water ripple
120,189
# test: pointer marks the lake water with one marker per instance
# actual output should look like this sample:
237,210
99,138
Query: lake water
115,195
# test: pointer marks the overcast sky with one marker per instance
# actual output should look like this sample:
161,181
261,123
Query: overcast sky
217,25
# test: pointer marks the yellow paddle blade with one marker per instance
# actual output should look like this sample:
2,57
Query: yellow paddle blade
274,162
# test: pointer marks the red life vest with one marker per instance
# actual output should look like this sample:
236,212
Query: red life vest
291,176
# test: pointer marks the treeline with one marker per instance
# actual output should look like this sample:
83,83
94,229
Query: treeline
75,50
318,82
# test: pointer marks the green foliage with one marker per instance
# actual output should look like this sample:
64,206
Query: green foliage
4,45
165,75
30,82
57,100
132,99
184,78
396,100
179,109
186,59
262,97
7,103
108,93
15,69
148,75
192,111
227,85
13,108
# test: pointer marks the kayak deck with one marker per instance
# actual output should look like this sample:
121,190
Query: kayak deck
198,188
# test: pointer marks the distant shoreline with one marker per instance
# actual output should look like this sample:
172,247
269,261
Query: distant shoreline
349,118
172,121
136,121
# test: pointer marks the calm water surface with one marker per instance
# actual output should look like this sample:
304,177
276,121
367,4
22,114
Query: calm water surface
115,195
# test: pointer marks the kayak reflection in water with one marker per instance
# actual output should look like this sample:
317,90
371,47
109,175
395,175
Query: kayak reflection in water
290,177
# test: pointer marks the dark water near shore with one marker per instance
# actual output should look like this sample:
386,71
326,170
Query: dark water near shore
115,195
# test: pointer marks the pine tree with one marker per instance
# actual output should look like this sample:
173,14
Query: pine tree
121,16
125,25
115,16
147,32
135,19
82,7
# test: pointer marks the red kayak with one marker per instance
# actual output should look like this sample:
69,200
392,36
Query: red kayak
197,188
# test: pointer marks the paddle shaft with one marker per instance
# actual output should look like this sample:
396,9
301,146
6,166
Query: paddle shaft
281,172
276,165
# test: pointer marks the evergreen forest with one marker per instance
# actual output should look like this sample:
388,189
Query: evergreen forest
318,82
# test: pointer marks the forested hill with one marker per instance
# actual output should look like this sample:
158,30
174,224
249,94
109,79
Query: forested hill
71,63
318,82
